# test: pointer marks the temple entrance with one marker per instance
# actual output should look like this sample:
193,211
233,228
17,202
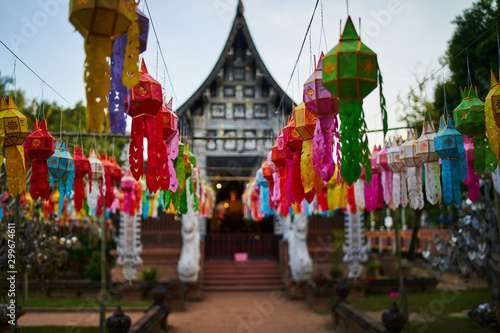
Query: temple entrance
228,232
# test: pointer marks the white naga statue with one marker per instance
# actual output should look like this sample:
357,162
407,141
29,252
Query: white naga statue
188,266
355,248
299,259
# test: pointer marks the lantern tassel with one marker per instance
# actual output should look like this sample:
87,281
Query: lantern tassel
359,194
307,172
387,186
152,174
118,91
297,187
350,127
39,183
396,190
433,182
15,167
78,187
97,80
130,75
136,157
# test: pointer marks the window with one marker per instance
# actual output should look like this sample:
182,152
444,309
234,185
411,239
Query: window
218,111
249,92
229,91
239,111
260,111
239,74
249,144
230,144
268,143
211,144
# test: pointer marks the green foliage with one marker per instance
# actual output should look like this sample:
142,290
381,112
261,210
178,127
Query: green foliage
374,264
93,271
336,272
150,275
456,301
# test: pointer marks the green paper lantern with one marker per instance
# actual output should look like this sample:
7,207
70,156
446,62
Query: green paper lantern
350,68
469,115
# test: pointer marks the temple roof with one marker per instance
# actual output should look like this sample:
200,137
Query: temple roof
238,23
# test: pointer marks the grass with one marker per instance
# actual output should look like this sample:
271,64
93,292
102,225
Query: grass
434,308
59,329
80,302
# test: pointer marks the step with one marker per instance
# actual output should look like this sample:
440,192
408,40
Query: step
244,281
230,276
245,288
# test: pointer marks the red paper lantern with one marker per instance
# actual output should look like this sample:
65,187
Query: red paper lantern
169,121
82,168
144,103
116,171
108,171
40,146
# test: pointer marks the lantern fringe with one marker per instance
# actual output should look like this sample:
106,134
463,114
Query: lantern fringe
15,167
350,127
130,76
118,92
39,179
97,80
433,182
136,157
307,170
404,189
297,187
396,191
387,186
289,180
152,172
359,194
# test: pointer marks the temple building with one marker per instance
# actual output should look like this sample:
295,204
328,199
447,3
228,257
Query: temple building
239,99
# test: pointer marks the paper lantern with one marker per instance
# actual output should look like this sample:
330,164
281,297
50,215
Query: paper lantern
425,143
293,148
125,54
82,168
394,156
94,190
408,153
450,148
492,115
386,172
373,196
472,180
144,103
13,132
40,146
169,121
305,122
321,103
99,22
108,174
317,99
350,73
62,169
116,170
399,189
279,159
413,179
305,125
426,150
469,114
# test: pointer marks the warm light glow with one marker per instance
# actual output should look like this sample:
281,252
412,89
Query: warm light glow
219,186
226,205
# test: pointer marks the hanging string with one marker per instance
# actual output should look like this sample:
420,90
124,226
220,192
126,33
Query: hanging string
444,94
469,79
323,27
347,6
360,27
15,82
60,123
156,60
311,64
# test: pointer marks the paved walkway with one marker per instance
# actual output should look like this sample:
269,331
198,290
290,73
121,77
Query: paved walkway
227,312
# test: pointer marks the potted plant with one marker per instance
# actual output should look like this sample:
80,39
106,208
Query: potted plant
372,268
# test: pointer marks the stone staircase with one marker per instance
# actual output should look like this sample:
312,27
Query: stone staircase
261,275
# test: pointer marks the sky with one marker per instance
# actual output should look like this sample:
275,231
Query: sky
409,37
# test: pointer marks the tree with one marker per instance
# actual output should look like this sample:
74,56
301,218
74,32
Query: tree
478,22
